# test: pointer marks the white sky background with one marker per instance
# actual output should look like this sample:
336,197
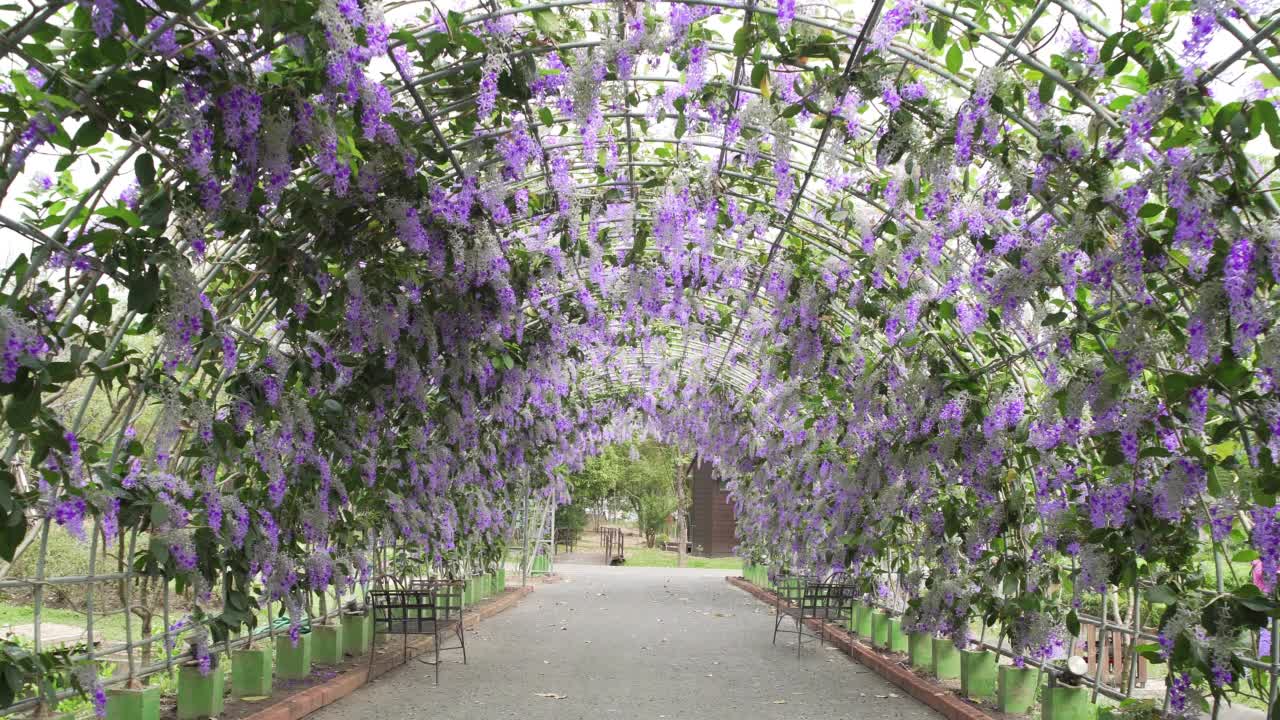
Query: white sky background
1230,85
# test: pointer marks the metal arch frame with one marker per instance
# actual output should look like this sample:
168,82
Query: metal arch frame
1249,46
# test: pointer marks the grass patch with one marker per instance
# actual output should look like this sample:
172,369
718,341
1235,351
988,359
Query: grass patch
652,557
108,628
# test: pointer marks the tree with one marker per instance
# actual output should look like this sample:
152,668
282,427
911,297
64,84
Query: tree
639,474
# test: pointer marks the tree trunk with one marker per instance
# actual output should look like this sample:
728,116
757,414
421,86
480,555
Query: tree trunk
682,524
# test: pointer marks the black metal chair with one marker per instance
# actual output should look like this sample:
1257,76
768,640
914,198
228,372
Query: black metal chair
421,607
802,598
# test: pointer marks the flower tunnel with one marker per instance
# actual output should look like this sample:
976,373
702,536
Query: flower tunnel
971,303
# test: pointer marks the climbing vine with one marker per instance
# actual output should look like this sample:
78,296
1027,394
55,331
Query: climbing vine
997,279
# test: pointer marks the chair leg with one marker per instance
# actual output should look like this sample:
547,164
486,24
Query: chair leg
462,639
436,642
777,620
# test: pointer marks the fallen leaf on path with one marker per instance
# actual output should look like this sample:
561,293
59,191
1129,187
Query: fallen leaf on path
779,702
553,696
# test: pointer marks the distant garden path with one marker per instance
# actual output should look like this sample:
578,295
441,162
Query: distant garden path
634,643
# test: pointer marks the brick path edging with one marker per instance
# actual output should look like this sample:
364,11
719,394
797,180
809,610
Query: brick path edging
936,696
301,704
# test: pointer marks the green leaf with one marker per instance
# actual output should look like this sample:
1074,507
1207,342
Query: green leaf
123,214
7,485
1162,594
955,59
159,516
742,42
939,34
89,134
143,290
11,535
1266,113
145,170
22,407
1047,86
1231,374
547,21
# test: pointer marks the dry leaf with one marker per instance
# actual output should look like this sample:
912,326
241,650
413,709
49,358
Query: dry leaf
553,696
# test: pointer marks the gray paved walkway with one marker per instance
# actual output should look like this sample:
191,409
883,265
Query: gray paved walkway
621,642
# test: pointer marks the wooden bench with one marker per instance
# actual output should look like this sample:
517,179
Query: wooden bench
1118,645
568,537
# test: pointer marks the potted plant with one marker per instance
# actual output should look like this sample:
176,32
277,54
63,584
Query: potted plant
919,640
251,666
880,628
1067,697
326,636
293,648
978,673
201,680
1032,634
862,620
946,659
357,628
1016,687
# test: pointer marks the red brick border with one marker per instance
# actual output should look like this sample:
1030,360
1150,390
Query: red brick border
305,702
889,667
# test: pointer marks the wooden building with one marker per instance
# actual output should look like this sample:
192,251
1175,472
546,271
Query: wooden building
713,527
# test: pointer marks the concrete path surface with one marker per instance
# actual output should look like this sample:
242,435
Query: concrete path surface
619,642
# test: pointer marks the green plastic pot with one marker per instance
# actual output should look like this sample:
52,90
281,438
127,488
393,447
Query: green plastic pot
1064,702
880,629
541,564
251,672
946,659
326,644
357,630
1016,688
863,622
978,674
920,650
199,696
293,662
138,704
897,639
